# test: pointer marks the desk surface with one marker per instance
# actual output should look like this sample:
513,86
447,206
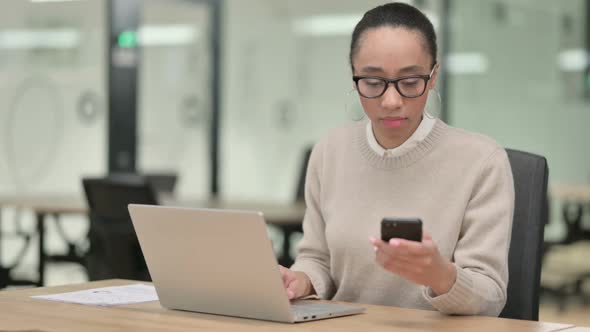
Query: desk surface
275,213
20,312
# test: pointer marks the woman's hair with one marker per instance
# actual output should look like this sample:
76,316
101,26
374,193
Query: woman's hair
395,15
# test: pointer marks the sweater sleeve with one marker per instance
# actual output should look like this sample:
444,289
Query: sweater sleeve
481,254
313,256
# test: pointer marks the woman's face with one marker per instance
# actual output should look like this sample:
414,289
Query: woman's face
392,53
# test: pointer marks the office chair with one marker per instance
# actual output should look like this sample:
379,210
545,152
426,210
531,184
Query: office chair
530,174
300,196
162,183
114,249
290,230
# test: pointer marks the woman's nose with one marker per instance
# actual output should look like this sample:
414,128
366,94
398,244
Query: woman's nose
391,99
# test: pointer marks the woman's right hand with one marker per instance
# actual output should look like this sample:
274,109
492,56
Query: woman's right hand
296,283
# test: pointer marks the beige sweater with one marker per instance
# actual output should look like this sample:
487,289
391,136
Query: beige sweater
460,185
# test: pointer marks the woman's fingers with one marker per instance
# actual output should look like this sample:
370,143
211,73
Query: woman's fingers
294,282
408,248
402,248
412,260
289,281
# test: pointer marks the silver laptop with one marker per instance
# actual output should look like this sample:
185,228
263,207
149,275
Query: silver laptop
219,262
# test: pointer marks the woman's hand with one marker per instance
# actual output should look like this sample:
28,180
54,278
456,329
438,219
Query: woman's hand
296,283
419,262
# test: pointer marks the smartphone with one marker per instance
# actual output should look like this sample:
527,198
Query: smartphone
401,228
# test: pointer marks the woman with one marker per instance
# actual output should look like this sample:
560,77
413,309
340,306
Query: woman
403,163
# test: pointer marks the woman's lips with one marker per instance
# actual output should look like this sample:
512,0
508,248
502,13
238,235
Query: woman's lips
393,122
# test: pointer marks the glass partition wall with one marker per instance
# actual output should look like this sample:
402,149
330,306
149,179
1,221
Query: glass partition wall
286,83
517,73
53,118
52,94
174,93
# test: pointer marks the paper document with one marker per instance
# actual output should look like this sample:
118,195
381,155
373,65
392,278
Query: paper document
106,296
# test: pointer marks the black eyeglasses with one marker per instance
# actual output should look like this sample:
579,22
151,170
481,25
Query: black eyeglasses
412,86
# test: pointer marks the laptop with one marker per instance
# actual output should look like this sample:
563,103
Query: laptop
220,262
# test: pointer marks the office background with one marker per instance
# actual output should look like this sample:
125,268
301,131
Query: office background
235,121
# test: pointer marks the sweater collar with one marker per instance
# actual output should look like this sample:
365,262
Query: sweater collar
399,161
424,128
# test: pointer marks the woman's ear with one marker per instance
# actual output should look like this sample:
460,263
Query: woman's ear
434,78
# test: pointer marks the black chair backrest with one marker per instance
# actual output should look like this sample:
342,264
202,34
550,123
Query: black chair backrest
114,249
108,197
530,174
300,195
162,182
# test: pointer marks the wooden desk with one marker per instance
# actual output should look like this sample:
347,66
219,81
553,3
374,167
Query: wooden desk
20,312
288,217
577,329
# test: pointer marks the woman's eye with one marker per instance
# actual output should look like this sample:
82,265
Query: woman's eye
373,82
410,82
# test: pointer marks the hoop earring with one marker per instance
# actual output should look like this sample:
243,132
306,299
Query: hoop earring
427,112
352,106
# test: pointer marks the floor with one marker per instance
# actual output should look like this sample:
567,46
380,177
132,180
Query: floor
559,265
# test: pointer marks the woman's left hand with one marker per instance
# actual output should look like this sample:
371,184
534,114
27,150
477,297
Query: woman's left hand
419,262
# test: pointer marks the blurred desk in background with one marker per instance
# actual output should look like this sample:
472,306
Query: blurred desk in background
565,268
288,217
575,204
571,192
43,205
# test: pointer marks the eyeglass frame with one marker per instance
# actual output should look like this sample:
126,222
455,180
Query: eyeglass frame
395,81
